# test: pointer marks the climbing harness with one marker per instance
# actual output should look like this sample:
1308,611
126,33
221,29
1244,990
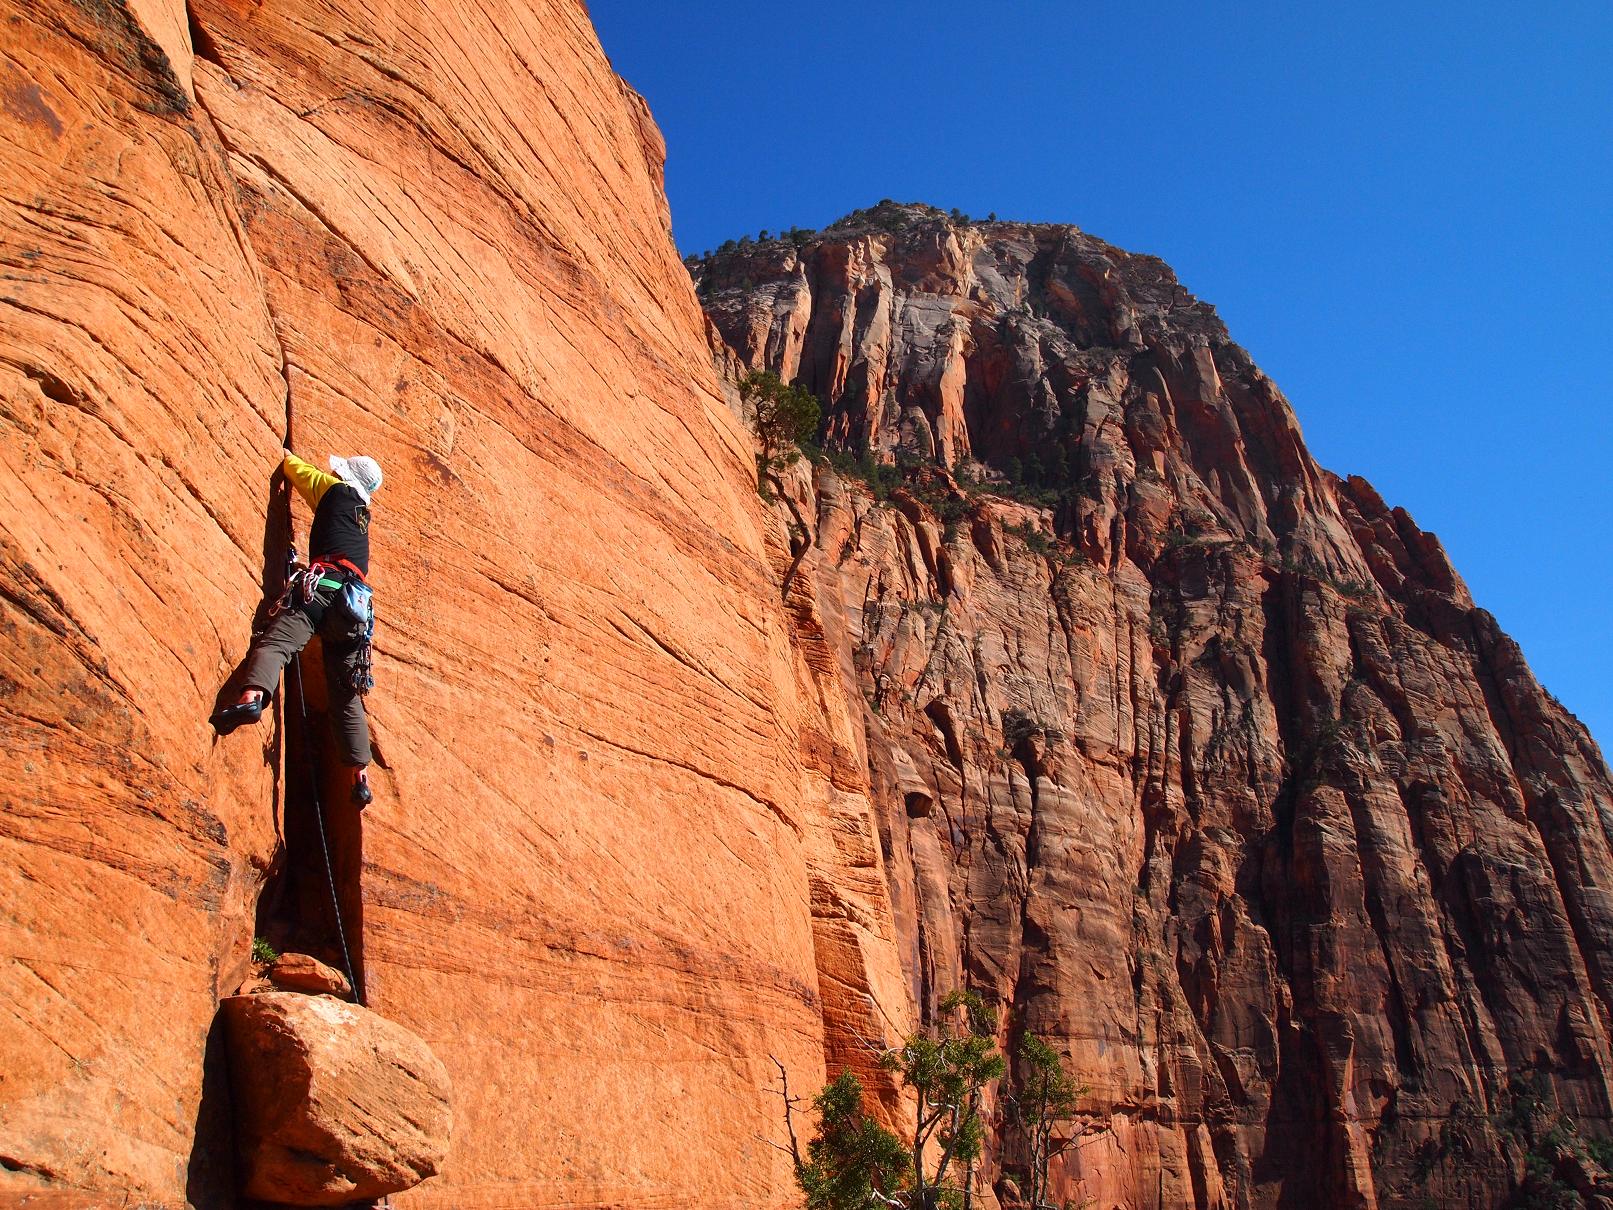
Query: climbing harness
345,564
354,604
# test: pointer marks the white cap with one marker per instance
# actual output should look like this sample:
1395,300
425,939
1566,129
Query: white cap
361,474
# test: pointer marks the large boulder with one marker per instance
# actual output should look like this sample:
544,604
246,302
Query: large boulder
333,1103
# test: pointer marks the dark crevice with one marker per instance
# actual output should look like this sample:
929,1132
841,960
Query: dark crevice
202,43
1033,940
311,901
53,388
210,1176
10,1163
940,714
926,959
1373,878
306,906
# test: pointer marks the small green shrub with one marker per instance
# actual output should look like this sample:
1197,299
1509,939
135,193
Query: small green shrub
1535,1124
1602,1152
1355,590
1033,536
1020,725
880,477
263,952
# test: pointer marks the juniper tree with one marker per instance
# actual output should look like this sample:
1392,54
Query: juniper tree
1034,475
1046,1094
949,1071
782,416
1059,472
851,1161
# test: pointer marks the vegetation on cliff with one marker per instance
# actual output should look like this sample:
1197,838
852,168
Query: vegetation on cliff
854,1163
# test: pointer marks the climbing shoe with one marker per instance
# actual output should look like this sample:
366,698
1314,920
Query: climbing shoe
240,714
361,789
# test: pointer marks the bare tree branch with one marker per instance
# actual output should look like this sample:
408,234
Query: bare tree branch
789,1116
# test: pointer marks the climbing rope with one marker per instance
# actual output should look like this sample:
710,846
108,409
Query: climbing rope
319,806
324,844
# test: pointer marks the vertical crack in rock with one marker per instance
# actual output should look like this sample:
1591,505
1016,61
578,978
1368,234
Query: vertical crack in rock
297,909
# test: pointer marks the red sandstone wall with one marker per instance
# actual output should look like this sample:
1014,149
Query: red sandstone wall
598,877
1288,852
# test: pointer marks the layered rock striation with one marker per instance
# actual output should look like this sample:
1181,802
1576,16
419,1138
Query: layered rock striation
605,875
1195,758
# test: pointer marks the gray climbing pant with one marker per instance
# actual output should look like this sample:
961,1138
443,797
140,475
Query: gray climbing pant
282,641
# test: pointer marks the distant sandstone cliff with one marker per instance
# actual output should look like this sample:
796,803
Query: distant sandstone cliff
1233,796
1208,769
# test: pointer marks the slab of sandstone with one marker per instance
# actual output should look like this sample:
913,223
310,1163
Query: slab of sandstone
307,974
333,1103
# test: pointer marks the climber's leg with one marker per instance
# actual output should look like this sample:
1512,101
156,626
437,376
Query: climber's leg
287,634
348,723
281,642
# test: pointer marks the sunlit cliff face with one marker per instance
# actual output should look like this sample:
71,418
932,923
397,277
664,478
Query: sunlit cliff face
1235,793
1207,772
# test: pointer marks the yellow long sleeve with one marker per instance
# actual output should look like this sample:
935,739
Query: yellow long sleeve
311,482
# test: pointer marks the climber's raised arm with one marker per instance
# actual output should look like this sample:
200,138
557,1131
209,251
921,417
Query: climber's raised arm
311,482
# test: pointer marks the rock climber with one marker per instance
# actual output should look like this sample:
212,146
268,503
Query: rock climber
330,596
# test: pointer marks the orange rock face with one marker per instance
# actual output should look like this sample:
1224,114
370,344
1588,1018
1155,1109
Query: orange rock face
1209,770
140,398
605,875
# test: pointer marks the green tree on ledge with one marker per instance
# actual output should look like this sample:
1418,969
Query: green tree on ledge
781,416
949,1070
853,1163
1046,1096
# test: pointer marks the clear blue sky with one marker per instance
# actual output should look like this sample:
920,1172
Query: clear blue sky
1402,211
